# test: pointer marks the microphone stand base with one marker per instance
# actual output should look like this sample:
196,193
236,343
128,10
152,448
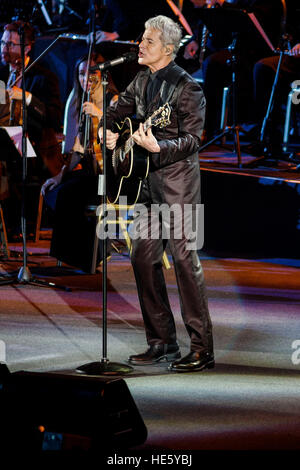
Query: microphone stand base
104,367
24,275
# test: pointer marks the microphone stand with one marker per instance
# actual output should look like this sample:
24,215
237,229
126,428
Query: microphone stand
234,129
24,275
104,366
267,118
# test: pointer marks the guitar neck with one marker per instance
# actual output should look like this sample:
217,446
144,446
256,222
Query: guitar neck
130,142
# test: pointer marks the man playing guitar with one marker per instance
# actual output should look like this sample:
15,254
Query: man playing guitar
173,178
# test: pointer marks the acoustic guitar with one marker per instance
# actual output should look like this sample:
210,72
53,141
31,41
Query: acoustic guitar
128,164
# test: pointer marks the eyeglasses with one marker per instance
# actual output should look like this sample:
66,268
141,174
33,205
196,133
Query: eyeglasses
8,44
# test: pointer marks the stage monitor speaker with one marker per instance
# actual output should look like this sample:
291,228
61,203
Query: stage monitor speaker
40,410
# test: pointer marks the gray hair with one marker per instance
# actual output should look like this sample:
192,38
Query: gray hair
170,31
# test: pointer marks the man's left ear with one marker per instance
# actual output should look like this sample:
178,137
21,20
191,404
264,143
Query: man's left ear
169,50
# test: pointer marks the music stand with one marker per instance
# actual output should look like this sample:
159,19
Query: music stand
237,22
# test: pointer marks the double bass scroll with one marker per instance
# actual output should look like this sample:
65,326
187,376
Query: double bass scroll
204,38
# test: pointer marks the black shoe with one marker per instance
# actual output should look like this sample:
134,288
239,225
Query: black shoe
156,353
193,362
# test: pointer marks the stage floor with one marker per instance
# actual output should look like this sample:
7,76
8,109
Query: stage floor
224,160
250,401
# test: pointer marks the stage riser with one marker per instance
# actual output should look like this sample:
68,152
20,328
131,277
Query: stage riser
255,215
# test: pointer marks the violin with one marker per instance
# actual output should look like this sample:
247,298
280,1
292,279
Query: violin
85,125
13,103
87,131
14,78
12,109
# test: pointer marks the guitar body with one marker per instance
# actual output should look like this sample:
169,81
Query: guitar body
128,165
126,168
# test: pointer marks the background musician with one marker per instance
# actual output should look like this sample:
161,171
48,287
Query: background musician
76,185
173,178
43,108
42,94
263,78
216,70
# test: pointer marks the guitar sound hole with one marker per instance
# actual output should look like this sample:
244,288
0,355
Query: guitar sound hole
124,164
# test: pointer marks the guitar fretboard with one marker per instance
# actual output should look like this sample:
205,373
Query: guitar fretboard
130,142
160,118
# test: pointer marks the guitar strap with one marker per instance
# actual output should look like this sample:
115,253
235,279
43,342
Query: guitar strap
163,90
170,83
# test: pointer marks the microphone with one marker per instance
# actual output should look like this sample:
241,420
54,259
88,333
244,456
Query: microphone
128,57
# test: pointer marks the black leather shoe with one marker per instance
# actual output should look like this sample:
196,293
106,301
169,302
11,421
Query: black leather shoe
156,353
193,362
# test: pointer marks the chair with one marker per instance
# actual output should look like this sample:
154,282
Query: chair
224,113
3,236
39,219
91,210
292,99
67,141
121,217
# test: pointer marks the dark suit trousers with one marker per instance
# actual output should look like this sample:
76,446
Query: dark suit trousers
157,314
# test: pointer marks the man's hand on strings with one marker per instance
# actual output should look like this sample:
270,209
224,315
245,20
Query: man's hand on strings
146,140
111,138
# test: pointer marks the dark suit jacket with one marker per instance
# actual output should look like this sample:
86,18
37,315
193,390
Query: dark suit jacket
174,175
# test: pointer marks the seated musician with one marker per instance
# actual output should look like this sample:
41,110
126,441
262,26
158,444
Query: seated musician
76,185
43,108
42,94
216,69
